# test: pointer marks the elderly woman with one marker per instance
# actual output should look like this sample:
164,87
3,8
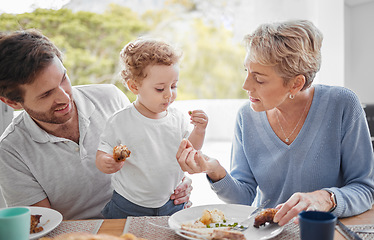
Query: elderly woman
303,146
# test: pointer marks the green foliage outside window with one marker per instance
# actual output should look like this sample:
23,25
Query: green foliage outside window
212,64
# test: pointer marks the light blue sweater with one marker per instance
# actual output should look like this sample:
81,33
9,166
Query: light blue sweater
332,151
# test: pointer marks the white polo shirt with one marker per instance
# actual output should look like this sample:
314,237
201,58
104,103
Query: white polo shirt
35,165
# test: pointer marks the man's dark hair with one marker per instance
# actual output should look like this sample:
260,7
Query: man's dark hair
23,55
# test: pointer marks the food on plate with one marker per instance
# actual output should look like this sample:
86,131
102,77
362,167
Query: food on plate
204,231
266,215
208,217
221,234
89,236
121,152
34,221
213,226
213,216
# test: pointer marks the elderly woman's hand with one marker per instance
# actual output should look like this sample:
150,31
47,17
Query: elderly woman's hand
312,201
193,161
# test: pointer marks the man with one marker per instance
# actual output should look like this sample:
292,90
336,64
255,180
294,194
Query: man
47,153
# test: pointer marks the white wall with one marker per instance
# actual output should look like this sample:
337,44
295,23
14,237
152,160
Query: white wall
330,20
359,63
328,16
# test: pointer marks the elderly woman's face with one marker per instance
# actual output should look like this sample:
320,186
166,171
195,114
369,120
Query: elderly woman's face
265,88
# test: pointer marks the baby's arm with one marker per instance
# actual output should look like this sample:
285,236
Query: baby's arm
106,163
200,120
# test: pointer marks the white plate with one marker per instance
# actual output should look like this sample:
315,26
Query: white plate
233,213
50,220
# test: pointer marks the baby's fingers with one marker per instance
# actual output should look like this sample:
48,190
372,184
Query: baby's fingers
197,113
198,120
117,166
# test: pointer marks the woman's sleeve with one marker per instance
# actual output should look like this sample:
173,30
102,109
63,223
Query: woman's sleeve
357,162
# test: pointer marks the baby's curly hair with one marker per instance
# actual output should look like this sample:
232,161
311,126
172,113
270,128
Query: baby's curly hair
139,54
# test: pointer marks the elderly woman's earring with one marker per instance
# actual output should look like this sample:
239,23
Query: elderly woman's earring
291,96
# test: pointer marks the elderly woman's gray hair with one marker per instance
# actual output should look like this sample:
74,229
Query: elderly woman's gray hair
292,47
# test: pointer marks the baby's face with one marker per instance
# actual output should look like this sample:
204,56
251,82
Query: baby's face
158,90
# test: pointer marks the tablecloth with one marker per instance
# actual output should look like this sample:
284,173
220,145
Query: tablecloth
88,226
364,236
140,227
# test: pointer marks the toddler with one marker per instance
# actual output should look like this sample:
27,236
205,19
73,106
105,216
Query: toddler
151,130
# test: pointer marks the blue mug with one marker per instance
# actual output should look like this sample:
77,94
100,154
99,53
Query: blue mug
15,223
317,225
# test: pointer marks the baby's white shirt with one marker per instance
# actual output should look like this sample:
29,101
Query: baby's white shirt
151,173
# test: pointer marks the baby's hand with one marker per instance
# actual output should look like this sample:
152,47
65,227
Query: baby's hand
107,164
112,165
199,119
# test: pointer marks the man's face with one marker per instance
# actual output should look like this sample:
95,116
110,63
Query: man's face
48,100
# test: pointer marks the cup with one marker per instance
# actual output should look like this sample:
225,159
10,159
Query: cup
15,223
317,225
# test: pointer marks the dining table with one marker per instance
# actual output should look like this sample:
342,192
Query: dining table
117,227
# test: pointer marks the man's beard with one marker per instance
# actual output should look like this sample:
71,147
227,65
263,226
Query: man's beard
49,117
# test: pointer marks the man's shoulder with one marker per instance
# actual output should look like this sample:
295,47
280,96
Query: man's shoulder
96,88
124,112
101,94
15,132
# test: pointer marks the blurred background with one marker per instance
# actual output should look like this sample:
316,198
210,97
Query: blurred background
91,34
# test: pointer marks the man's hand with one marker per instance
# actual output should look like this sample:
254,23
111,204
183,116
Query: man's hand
183,192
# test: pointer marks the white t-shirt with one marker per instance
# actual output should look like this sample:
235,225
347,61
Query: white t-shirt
35,165
151,173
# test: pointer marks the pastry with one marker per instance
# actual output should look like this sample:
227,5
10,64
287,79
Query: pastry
121,152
